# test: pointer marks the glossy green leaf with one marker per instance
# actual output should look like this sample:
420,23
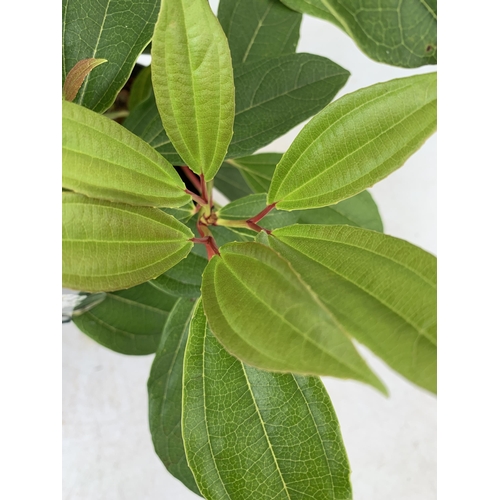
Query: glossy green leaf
116,30
316,8
398,32
193,83
141,89
275,95
359,211
264,314
165,394
257,170
255,434
184,279
258,29
230,182
102,159
247,207
145,122
112,246
76,76
128,321
381,289
355,142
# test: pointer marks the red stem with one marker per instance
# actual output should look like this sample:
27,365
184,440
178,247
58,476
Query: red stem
261,215
257,228
195,181
195,197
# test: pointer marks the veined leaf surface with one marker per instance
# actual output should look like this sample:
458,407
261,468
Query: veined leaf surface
116,30
249,433
398,32
102,159
112,246
258,29
380,288
193,83
231,183
274,95
355,142
165,394
128,321
265,315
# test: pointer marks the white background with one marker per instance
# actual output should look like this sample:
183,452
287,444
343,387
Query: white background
391,443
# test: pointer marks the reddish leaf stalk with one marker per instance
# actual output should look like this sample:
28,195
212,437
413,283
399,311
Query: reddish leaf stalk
195,197
195,181
261,215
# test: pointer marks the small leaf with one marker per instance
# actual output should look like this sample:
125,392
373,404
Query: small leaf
193,83
141,89
259,29
116,30
165,394
101,159
358,211
182,214
254,434
257,170
265,315
77,74
184,279
398,32
112,246
231,183
381,289
128,321
249,206
355,142
274,95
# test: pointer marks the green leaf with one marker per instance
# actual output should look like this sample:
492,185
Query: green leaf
264,314
112,246
355,142
254,434
101,159
193,83
145,122
184,279
249,206
182,214
128,321
381,289
116,30
165,394
230,182
359,211
398,32
259,29
76,76
141,89
274,95
316,8
257,170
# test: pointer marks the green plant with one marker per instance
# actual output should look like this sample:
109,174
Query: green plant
289,272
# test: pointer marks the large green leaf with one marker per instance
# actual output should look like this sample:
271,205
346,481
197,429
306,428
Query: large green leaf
359,211
165,394
128,321
193,83
112,246
254,434
264,314
141,89
257,170
116,30
398,32
145,122
381,289
231,183
102,159
274,95
247,207
258,29
184,279
355,142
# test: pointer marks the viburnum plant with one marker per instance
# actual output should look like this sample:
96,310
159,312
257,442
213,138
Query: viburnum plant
247,304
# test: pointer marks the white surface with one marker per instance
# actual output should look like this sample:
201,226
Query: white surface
107,450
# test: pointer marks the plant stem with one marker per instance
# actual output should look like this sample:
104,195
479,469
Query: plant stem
195,181
195,197
261,215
